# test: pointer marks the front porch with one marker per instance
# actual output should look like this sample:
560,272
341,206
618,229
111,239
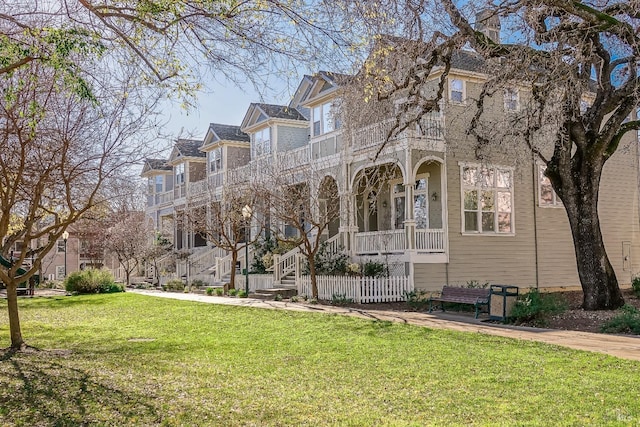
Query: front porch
425,241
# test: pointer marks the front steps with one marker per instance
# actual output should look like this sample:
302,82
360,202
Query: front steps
284,292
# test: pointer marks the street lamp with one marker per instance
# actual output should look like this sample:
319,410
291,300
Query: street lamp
65,237
246,214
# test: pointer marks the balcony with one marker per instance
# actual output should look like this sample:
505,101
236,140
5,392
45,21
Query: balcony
431,127
292,159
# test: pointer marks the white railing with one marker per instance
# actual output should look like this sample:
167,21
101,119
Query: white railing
361,290
285,264
294,158
430,240
179,191
216,180
431,126
375,242
260,281
239,174
198,188
166,197
334,244
202,262
225,264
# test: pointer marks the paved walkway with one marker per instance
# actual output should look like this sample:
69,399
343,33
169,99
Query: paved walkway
626,347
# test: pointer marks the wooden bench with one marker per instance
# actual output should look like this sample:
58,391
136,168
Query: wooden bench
474,296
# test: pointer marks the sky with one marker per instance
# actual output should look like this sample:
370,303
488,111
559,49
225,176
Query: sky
220,102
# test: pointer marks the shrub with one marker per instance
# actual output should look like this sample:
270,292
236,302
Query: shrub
278,297
294,298
635,285
474,284
197,284
626,321
340,299
242,294
174,285
219,292
209,291
330,264
374,269
416,300
91,281
233,292
535,307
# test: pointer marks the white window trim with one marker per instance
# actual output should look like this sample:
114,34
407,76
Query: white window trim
181,177
215,159
464,91
254,145
464,232
393,196
556,202
425,192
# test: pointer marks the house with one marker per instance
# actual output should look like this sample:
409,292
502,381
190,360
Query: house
420,201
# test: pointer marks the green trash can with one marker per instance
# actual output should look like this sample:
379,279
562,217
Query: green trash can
502,300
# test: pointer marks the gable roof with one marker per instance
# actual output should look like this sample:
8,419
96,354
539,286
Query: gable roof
259,112
155,165
189,148
228,132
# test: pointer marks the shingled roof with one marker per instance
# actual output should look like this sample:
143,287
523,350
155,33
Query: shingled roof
280,111
189,148
157,164
468,61
228,132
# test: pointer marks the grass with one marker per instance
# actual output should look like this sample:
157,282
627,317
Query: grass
126,359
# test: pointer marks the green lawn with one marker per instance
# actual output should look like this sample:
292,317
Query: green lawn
126,359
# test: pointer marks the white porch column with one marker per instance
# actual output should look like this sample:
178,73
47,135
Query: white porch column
348,222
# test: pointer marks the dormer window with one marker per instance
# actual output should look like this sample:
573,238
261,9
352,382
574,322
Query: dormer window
215,160
325,119
262,142
179,173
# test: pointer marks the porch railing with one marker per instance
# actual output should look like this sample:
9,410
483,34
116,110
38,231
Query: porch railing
430,240
431,126
285,264
166,197
374,242
216,180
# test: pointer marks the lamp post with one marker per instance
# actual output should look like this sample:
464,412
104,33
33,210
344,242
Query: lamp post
246,214
65,237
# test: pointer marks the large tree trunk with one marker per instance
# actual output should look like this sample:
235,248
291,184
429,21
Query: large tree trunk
234,262
597,277
14,320
312,274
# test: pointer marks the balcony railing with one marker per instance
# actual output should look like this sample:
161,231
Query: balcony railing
294,158
431,126
216,180
198,188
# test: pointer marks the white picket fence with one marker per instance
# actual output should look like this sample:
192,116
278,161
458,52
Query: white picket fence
361,290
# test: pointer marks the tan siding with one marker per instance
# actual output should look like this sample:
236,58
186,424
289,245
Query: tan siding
429,277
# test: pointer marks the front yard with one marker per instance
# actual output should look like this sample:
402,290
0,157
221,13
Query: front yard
125,359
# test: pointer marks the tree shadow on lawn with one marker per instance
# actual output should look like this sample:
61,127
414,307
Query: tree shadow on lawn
41,387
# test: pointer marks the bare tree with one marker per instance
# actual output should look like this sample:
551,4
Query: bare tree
59,151
578,64
305,202
225,222
128,239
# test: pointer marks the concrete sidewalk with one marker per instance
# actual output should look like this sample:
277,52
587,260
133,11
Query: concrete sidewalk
626,347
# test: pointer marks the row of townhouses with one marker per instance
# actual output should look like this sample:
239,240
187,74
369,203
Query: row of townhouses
439,216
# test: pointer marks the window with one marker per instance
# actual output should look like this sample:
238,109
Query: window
456,90
325,119
179,174
546,195
487,199
60,246
511,101
398,206
159,182
421,203
215,160
262,142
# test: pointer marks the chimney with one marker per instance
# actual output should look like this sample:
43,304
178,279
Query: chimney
488,23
